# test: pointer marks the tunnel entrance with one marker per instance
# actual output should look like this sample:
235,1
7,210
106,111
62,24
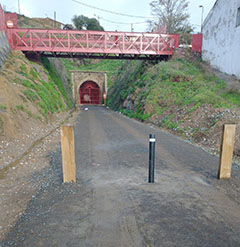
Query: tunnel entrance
89,93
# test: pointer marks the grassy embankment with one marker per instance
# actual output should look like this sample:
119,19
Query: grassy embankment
109,66
39,86
181,95
173,84
154,89
50,96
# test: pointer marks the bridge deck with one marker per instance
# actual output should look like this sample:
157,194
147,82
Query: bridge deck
92,43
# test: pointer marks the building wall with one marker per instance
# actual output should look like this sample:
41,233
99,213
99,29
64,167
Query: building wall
221,37
79,77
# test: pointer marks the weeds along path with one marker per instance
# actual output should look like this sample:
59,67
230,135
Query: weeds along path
113,205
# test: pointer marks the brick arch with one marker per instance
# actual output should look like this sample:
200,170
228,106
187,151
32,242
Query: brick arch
88,79
89,93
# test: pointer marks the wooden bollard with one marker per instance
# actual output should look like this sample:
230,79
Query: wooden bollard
227,147
68,154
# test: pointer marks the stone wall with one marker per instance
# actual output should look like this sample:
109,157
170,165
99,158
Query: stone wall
4,48
221,37
79,77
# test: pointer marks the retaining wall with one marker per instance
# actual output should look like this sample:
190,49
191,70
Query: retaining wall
4,48
4,45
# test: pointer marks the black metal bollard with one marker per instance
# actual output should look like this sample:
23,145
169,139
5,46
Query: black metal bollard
151,158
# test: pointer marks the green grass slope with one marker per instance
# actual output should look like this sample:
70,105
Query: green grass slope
109,66
173,84
181,95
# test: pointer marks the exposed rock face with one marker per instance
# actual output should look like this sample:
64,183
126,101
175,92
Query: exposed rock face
62,73
128,103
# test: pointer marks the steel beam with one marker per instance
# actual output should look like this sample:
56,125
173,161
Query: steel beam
118,44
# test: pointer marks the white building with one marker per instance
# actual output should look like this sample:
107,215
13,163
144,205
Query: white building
221,37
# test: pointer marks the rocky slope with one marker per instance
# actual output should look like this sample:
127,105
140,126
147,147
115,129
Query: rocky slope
182,95
30,100
35,100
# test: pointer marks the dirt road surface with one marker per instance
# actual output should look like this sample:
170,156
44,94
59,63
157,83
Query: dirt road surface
112,205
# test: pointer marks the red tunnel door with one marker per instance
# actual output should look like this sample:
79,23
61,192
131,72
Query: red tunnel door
89,93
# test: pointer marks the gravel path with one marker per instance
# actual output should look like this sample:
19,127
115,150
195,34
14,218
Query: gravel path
113,205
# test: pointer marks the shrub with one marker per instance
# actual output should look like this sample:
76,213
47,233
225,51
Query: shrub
167,123
20,107
23,69
3,107
31,95
33,74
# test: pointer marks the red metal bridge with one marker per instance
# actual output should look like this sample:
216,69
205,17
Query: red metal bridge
91,44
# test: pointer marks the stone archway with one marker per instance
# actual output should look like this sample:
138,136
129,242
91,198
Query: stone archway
89,93
80,77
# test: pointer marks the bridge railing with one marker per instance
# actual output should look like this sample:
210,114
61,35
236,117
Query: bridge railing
39,40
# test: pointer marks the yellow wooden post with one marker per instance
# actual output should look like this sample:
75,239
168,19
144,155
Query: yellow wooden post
227,147
68,154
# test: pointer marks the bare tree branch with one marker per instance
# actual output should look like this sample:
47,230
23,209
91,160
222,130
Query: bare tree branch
172,14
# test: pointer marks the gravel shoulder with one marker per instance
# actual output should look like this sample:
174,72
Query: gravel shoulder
113,205
20,177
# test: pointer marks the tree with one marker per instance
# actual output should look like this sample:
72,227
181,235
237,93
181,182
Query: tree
171,14
83,22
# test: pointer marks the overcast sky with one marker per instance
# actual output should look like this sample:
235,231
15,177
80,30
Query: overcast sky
66,9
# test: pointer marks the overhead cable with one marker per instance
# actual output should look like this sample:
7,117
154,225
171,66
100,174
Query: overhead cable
124,23
109,11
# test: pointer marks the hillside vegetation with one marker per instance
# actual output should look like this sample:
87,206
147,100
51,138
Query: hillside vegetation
176,83
26,22
182,96
29,93
109,66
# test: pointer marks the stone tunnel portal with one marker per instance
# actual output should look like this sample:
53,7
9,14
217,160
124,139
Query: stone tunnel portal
89,87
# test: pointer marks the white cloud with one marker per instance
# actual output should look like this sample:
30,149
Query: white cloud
67,8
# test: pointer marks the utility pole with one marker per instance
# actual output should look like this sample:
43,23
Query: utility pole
201,6
19,7
132,29
98,17
55,19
